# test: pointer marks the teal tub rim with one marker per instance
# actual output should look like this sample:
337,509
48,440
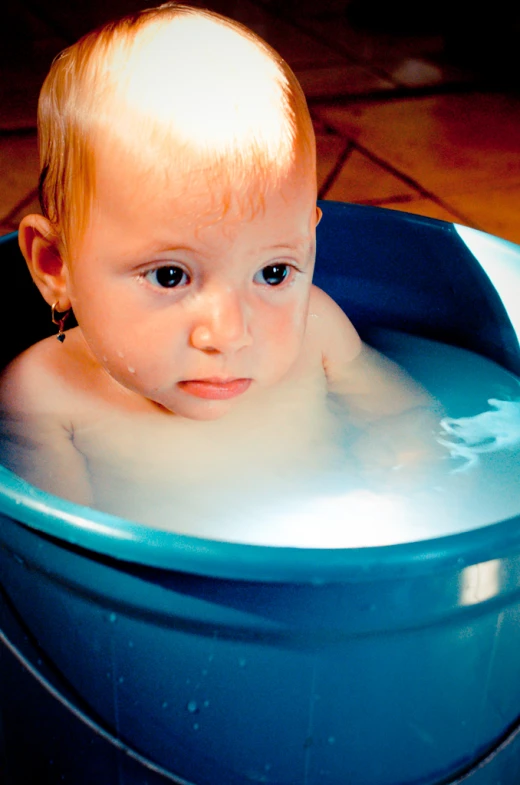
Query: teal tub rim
109,536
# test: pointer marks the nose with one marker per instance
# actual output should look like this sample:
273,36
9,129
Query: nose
222,326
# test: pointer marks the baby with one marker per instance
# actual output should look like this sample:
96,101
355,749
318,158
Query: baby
178,192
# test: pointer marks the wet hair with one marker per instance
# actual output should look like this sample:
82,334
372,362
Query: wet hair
173,89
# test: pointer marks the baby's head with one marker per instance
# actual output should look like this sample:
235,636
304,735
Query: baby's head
177,140
172,90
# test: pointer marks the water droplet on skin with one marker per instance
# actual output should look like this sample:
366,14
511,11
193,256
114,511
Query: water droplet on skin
120,354
192,707
130,369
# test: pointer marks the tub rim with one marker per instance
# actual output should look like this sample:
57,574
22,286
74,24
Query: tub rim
106,535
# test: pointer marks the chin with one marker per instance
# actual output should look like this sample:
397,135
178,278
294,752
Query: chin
210,410
209,414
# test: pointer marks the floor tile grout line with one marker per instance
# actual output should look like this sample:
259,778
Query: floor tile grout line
336,169
26,200
413,183
351,145
381,201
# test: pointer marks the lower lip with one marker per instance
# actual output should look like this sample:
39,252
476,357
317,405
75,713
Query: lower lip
215,391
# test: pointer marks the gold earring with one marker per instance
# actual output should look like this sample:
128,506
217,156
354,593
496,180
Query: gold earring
59,319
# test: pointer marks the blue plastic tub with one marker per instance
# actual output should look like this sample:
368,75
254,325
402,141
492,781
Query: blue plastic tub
137,657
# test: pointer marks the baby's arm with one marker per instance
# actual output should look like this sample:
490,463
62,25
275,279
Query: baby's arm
35,441
367,382
397,417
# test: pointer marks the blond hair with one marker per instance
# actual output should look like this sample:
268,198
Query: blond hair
175,81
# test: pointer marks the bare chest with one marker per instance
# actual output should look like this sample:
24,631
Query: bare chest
145,467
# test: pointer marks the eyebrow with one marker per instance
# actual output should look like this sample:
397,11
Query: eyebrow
287,246
167,248
290,246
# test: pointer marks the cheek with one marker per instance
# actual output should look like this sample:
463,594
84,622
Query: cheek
284,330
288,325
120,346
113,323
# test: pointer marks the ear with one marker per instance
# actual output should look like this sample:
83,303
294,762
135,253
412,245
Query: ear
319,215
39,245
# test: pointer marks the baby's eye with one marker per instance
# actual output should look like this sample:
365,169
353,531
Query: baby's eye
167,277
273,274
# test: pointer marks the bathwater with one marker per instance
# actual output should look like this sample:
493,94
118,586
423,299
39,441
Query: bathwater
468,478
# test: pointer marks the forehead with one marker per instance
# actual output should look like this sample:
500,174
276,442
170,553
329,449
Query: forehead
201,195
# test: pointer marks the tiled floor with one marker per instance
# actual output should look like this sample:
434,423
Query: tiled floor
406,117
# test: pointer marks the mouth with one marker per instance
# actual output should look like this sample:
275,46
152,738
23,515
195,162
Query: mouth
215,389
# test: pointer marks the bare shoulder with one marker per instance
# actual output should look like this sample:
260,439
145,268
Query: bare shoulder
27,380
37,414
333,329
38,381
